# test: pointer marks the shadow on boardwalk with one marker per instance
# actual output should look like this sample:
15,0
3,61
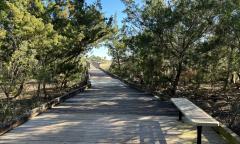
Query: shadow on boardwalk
109,112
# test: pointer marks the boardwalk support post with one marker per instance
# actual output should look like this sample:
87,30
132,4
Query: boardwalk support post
199,134
179,115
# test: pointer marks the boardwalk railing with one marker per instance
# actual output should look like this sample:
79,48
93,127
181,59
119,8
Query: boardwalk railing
227,133
36,111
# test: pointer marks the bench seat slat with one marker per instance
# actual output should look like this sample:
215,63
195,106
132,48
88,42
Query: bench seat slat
194,114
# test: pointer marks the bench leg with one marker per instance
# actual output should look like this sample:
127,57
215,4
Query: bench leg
199,134
179,115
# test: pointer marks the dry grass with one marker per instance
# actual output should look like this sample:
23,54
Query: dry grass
106,64
30,90
28,100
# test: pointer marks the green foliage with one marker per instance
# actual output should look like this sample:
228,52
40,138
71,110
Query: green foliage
174,43
45,41
186,48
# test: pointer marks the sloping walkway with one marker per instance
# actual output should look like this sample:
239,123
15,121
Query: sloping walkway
109,112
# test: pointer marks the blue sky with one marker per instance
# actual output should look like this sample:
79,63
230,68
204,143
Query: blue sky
110,7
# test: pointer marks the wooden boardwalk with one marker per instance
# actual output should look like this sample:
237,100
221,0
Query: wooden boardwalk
109,112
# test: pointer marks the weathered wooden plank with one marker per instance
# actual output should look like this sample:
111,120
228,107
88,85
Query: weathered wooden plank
194,114
109,112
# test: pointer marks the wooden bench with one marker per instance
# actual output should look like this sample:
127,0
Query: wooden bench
194,115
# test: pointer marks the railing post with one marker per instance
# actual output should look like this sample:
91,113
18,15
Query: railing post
179,115
199,134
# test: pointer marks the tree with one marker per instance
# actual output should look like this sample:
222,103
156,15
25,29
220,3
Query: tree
18,57
171,31
46,41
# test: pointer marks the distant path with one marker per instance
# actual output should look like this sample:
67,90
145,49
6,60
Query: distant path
109,112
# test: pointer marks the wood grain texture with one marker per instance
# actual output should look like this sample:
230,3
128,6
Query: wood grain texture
193,113
109,112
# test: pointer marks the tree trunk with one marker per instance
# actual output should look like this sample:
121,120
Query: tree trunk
176,79
5,91
39,88
44,89
229,69
20,89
